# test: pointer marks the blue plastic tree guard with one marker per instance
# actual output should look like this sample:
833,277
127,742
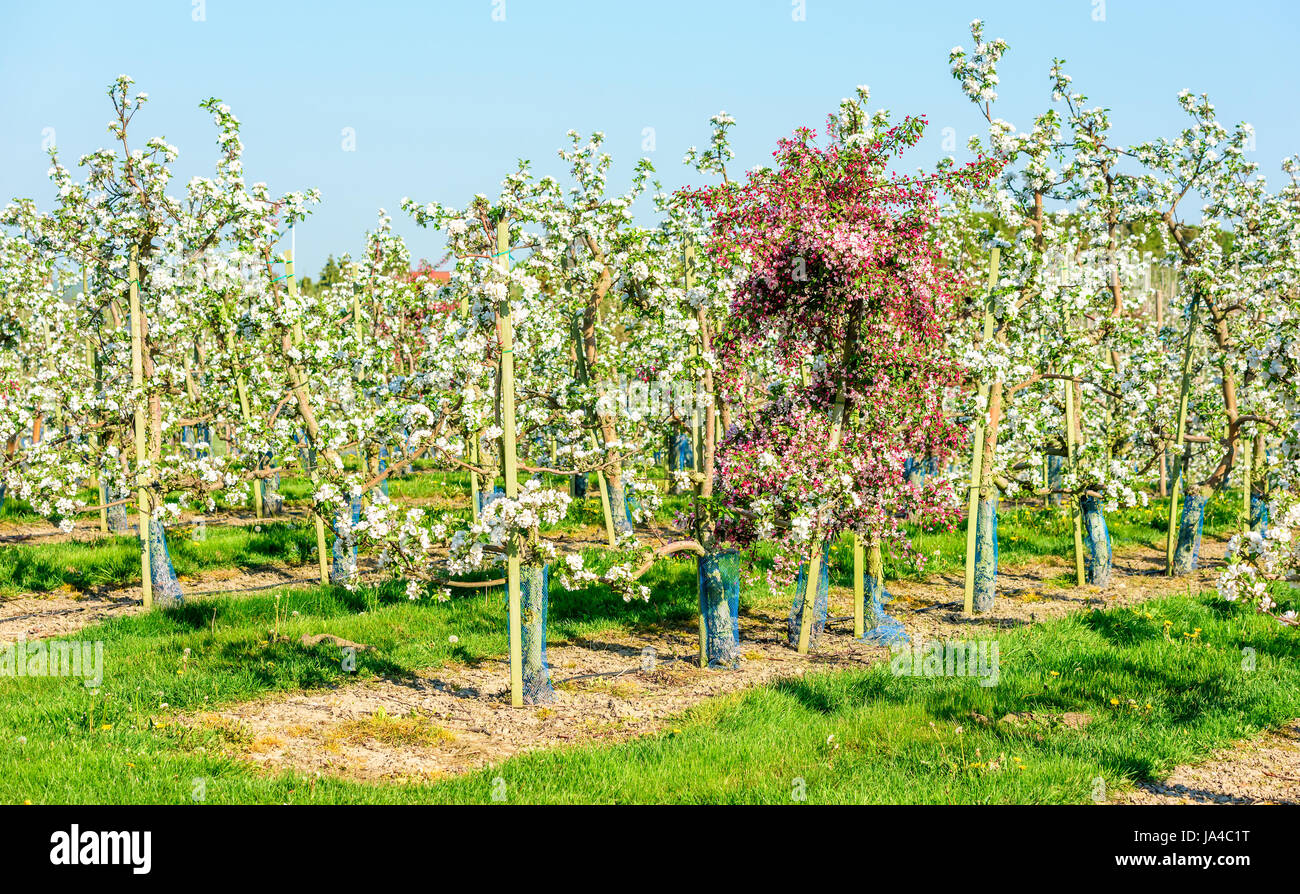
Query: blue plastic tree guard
1258,514
272,499
718,575
1054,478
986,554
117,522
192,436
534,599
631,506
1188,552
917,470
683,453
483,500
308,454
578,487
795,621
339,568
912,472
881,629
1097,536
166,588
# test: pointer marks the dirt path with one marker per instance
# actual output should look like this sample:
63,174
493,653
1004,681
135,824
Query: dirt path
457,718
1262,770
86,527
58,614
86,530
619,685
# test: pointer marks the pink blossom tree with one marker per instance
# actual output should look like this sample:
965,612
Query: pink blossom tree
849,292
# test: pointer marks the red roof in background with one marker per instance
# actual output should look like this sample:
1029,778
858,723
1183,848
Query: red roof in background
424,271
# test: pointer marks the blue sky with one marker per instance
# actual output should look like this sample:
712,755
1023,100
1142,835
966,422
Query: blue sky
443,98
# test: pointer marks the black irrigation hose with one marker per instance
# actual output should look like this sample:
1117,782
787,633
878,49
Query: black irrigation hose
939,605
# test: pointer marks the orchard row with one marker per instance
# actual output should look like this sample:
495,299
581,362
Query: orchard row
870,349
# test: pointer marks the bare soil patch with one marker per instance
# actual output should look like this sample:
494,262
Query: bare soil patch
458,718
59,614
64,611
86,529
1261,770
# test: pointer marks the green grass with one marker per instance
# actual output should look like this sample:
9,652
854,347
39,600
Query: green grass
104,745
1028,534
424,483
1025,534
872,737
850,736
114,560
18,511
897,736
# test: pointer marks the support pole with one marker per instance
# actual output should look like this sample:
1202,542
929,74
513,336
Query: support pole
697,444
322,563
811,587
610,534
977,448
1247,480
697,447
859,590
510,463
1180,462
471,443
1072,458
137,384
92,358
245,412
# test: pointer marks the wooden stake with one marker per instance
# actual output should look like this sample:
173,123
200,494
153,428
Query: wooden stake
977,437
358,331
322,561
859,590
610,534
1072,455
1164,448
697,444
688,282
241,387
510,461
1076,505
92,357
811,587
1246,482
1180,464
137,382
